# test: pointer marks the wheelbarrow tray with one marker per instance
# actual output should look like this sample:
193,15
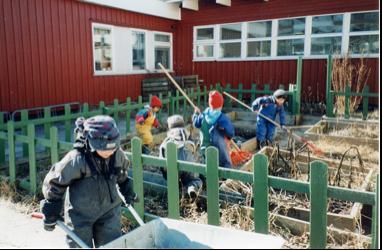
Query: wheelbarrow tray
168,233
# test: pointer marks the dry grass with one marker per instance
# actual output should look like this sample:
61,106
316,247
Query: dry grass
346,73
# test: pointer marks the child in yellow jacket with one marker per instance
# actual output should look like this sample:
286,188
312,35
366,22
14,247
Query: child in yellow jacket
145,120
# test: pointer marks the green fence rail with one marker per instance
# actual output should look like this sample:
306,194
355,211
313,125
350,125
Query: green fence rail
347,93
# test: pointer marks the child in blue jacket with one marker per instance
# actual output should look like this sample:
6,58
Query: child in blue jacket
269,106
215,127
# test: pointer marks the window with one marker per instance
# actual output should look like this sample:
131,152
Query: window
230,41
364,33
102,44
139,61
259,39
287,38
326,35
292,27
162,50
123,50
291,34
204,44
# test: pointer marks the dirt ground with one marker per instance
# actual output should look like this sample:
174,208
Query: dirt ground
19,230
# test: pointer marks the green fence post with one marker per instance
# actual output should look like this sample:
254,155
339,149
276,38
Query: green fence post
138,174
329,97
172,181
47,125
85,110
53,145
253,92
171,104
12,152
298,87
140,102
128,114
260,193
375,223
192,96
213,186
184,109
68,123
115,110
228,101
347,101
177,100
32,159
318,204
365,102
2,142
198,93
103,108
240,92
24,120
267,89
205,96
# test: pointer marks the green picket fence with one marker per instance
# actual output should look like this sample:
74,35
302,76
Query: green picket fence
174,102
331,95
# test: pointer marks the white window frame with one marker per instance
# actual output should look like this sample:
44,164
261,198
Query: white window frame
167,45
101,72
292,37
261,39
325,35
275,38
220,41
361,33
209,42
122,50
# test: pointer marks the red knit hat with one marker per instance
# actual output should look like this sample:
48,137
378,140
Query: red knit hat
215,100
155,102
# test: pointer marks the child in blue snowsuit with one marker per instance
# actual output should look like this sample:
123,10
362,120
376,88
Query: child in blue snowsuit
269,106
215,127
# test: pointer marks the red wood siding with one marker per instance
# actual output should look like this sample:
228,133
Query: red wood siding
47,58
274,72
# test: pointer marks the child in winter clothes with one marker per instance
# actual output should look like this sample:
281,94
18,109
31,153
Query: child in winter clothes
90,175
215,127
178,134
269,106
145,120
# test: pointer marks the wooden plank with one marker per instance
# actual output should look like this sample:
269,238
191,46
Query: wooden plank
212,186
172,181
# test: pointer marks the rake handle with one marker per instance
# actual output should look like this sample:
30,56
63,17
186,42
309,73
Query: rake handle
313,147
177,86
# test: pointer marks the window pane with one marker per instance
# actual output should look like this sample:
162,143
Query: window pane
290,47
368,44
230,31
259,29
205,34
162,38
326,45
102,49
364,21
327,24
138,50
204,51
162,55
289,27
228,50
261,48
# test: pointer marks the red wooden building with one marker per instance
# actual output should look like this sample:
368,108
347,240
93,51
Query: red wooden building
60,51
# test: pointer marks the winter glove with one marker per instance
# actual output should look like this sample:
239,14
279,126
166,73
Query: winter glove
52,213
156,123
127,191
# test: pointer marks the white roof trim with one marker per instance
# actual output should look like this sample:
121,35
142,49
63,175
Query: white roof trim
150,7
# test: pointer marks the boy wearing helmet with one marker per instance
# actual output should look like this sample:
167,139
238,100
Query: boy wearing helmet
145,120
269,106
215,127
91,175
